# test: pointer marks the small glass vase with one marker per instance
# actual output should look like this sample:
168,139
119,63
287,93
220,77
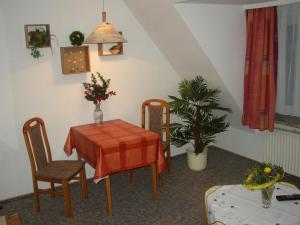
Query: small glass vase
266,196
98,114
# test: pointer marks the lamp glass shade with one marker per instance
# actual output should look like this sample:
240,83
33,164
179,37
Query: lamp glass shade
104,33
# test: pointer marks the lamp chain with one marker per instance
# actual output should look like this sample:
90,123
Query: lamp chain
103,12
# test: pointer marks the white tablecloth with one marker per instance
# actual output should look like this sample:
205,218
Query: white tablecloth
235,205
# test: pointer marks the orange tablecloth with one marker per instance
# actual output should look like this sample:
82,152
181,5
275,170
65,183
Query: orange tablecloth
115,146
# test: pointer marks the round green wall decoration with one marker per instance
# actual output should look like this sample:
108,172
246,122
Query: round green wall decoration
76,38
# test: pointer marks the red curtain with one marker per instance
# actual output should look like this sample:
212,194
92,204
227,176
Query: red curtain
260,69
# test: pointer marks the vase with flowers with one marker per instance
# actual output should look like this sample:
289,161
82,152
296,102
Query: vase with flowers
96,91
263,177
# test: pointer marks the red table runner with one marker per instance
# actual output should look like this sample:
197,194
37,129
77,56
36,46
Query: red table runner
115,146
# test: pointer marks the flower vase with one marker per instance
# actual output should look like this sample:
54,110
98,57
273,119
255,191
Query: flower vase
266,196
98,114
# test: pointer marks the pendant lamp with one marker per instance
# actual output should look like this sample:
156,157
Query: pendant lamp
104,33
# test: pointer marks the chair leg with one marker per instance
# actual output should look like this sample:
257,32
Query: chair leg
78,156
36,195
67,197
154,181
169,160
83,183
53,190
108,195
160,180
130,177
205,218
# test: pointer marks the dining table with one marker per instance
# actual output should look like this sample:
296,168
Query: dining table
116,146
236,205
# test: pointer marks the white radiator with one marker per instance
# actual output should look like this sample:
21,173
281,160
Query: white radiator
282,148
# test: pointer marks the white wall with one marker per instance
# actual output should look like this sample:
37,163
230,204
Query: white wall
221,32
243,141
40,89
8,143
178,43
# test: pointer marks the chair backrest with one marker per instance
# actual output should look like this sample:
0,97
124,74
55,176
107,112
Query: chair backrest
37,144
158,119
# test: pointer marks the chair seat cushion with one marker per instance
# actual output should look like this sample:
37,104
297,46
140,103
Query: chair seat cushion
60,169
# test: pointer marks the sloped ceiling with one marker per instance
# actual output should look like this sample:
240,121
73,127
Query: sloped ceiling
223,2
171,35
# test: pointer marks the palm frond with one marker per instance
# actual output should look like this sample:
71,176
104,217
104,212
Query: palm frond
180,134
197,99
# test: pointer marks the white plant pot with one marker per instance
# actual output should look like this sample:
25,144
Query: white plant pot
196,162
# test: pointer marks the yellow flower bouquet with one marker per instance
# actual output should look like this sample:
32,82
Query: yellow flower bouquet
263,176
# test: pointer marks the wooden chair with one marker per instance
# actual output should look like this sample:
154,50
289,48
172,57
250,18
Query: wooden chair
11,219
156,117
46,170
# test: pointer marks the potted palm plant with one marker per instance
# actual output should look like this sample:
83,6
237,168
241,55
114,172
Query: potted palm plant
196,106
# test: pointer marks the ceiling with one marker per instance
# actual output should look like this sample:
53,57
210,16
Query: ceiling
224,2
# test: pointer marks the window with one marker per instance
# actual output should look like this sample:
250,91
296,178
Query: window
288,76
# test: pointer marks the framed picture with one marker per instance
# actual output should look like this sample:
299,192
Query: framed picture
37,35
75,59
